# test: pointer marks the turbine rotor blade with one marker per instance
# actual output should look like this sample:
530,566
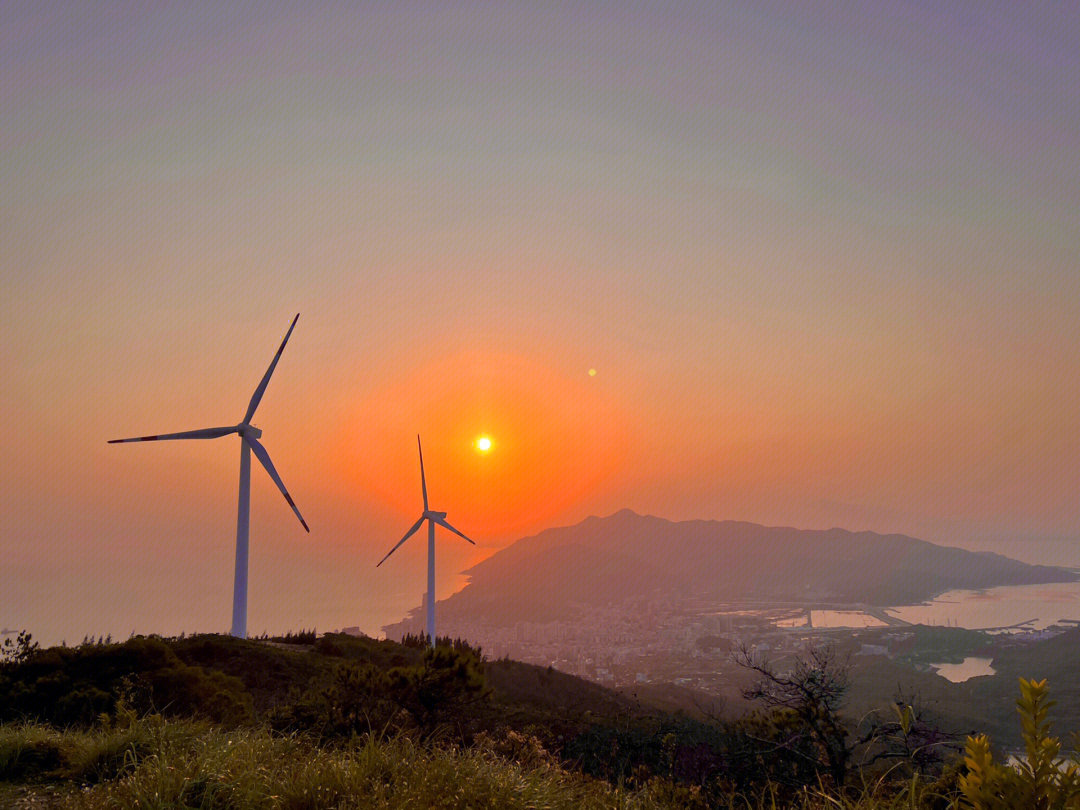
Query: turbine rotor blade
446,525
264,457
408,534
205,433
257,396
423,480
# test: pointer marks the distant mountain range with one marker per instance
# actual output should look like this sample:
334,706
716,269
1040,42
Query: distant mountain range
611,560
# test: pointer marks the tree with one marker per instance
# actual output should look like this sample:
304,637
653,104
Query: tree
804,704
19,651
450,679
364,699
909,737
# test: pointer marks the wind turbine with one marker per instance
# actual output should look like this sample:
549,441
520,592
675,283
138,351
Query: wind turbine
249,443
432,517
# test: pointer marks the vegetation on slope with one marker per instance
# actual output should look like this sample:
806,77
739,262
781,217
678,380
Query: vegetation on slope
154,763
166,764
343,722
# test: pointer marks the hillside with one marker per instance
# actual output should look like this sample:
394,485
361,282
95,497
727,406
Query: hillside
301,722
605,561
231,681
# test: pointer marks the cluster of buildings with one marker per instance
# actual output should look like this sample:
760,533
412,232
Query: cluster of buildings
643,641
689,643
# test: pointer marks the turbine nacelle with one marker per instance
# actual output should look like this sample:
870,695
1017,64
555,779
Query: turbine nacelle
249,430
430,515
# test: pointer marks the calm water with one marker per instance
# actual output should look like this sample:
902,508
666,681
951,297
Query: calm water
834,618
975,610
971,667
998,607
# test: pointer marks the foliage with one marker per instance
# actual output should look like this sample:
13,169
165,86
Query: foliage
30,752
677,748
22,649
907,739
421,641
449,680
806,725
159,763
764,752
343,694
75,685
192,766
773,748
1041,782
362,698
416,641
355,702
301,637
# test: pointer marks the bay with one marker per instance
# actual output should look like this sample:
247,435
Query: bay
1036,607
1012,607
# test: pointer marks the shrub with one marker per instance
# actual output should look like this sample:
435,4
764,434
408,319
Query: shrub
448,680
364,699
1041,782
75,686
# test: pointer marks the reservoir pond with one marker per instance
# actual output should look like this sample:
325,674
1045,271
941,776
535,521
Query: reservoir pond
971,667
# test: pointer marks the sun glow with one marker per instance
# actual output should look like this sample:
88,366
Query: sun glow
555,439
483,444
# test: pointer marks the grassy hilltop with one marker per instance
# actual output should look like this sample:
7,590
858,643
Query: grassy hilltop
337,721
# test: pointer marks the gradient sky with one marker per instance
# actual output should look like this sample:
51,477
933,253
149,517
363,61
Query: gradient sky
824,258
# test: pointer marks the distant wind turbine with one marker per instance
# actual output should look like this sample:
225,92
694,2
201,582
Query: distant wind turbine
249,442
432,518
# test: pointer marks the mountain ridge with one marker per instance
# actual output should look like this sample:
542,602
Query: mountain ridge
604,561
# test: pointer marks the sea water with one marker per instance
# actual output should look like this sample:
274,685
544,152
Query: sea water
1019,607
1033,606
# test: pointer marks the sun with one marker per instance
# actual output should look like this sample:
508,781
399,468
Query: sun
483,444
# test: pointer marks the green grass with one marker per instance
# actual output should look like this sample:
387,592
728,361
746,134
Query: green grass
152,763
33,753
236,724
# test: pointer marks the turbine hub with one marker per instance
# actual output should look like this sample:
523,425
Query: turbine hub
434,515
249,430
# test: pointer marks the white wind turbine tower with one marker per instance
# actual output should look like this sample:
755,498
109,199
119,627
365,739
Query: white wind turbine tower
249,442
432,518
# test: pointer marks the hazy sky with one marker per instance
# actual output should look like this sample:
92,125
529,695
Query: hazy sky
824,259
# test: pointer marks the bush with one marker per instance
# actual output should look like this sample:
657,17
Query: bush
74,686
1041,782
364,699
435,693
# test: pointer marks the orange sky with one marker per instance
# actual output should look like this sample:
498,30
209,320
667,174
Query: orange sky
824,265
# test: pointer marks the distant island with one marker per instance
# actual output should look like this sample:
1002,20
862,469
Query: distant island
627,557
